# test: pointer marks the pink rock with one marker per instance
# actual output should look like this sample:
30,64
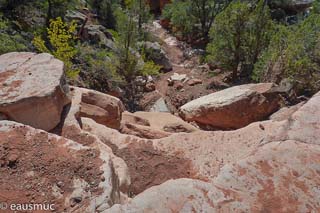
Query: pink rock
33,89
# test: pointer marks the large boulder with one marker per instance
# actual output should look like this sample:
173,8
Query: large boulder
71,128
154,52
76,16
102,108
202,155
143,131
98,34
33,89
233,108
128,117
39,167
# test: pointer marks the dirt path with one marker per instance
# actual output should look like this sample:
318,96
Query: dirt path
190,66
175,53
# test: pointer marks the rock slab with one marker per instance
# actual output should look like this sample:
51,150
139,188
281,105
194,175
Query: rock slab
281,174
33,89
232,108
102,108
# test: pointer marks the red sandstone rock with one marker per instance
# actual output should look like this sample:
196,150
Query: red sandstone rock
102,108
194,81
33,89
232,108
280,173
39,167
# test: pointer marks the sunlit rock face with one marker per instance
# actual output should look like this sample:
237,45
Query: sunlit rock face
33,89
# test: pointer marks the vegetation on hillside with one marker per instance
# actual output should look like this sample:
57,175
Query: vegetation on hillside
60,43
295,52
251,39
239,35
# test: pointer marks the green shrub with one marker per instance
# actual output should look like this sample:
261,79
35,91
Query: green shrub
180,16
93,64
239,35
8,42
297,48
194,16
61,39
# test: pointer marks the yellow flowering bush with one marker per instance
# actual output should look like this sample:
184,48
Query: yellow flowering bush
60,43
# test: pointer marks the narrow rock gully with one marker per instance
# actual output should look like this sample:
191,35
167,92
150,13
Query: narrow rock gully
196,79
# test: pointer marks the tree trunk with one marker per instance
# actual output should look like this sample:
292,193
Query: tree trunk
49,12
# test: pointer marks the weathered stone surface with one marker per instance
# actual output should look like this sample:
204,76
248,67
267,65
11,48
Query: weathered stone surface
37,167
154,52
128,117
182,195
208,152
166,122
102,108
98,34
143,131
304,124
278,177
177,77
71,128
194,81
145,162
79,17
232,108
33,89
281,174
159,106
285,112
153,125
195,155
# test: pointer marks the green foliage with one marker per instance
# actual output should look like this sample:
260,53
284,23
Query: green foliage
60,44
140,9
302,54
127,29
58,8
52,8
273,54
239,35
8,42
128,63
104,9
316,7
297,48
180,16
150,68
187,15
95,70
205,12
